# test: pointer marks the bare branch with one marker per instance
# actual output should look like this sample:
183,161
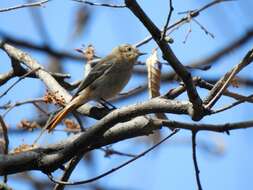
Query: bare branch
225,50
49,80
35,4
109,151
207,127
167,20
234,104
194,157
113,169
68,170
193,14
42,48
100,4
55,155
203,84
169,56
203,28
6,76
213,3
53,160
223,83
6,140
9,106
17,81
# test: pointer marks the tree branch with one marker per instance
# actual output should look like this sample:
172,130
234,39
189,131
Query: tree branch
6,140
170,57
113,169
53,156
100,4
223,83
35,4
194,157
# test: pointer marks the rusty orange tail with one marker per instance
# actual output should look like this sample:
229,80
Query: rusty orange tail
59,116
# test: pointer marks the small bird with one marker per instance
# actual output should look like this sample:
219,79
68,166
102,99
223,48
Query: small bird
105,80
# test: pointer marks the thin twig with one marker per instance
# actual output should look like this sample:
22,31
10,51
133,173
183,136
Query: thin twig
113,169
213,3
109,151
167,20
233,104
223,83
6,140
194,13
17,81
39,47
100,4
35,4
10,106
194,157
41,109
188,33
234,45
19,103
68,171
203,28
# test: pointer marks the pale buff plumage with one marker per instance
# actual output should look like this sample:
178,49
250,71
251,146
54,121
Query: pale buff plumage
108,77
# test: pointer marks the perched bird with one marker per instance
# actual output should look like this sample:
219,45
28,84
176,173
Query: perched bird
105,80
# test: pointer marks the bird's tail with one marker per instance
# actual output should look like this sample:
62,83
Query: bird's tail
59,116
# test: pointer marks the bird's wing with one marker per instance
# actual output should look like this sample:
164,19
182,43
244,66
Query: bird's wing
99,69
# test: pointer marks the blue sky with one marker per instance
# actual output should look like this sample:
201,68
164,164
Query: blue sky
170,166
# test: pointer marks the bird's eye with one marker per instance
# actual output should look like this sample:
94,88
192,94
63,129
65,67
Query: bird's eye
129,49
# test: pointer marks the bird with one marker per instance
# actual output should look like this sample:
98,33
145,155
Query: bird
105,80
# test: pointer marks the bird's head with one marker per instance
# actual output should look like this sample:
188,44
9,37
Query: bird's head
128,52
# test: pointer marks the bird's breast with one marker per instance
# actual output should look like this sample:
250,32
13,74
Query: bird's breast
112,82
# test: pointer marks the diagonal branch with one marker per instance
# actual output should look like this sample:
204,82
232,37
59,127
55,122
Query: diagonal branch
169,55
49,81
100,4
237,43
17,81
223,83
116,168
53,156
53,159
35,4
167,20
68,171
183,20
37,47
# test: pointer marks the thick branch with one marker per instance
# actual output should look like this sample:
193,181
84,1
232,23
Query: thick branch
48,79
41,158
170,57
52,160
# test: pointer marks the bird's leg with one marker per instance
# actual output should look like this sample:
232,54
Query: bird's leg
106,104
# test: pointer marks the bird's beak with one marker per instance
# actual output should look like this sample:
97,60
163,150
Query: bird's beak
79,50
141,53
